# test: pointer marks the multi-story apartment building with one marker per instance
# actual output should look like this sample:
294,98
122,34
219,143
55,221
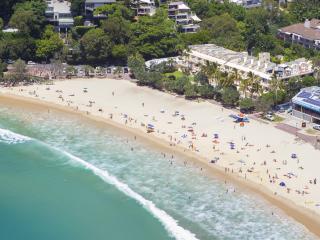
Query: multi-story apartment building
306,34
228,61
59,14
182,15
143,7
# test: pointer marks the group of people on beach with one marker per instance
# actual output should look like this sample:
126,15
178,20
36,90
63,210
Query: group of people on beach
184,133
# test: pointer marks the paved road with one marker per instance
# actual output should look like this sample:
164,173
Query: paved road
313,140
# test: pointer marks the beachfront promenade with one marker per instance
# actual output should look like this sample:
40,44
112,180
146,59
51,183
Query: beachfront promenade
260,153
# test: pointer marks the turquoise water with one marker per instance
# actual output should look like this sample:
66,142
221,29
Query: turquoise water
65,178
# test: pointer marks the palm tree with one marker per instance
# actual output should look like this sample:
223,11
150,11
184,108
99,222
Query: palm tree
255,86
244,86
211,70
275,85
236,76
222,79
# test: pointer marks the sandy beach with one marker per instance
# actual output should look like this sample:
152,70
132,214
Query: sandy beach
257,155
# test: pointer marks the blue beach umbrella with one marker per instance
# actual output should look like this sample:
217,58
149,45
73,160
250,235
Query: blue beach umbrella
282,184
293,155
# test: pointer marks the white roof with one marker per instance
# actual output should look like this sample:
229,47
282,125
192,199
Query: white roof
10,30
60,7
183,6
195,18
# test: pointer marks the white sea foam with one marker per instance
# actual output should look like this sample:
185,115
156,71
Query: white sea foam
6,136
170,224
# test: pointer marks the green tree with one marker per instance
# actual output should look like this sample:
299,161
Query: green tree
223,31
96,46
155,37
15,46
29,17
49,45
264,103
309,81
136,63
117,9
18,73
256,25
77,7
3,67
207,91
246,105
190,90
120,53
118,29
230,96
78,21
305,9
201,78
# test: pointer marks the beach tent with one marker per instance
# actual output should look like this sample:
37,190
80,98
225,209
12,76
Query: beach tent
239,118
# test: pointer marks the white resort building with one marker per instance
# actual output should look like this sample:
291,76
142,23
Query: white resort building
59,14
229,60
182,15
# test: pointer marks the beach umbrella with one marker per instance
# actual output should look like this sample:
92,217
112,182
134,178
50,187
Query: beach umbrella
150,126
216,135
282,184
293,155
184,136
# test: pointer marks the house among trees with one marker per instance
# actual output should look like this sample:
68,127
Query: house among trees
247,3
184,18
306,34
143,7
261,67
58,13
91,5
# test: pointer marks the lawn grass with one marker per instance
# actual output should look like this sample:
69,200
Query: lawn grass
176,74
277,118
312,131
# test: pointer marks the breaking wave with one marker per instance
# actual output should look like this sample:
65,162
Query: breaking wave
6,136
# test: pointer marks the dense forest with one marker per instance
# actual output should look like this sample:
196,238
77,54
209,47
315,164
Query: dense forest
121,34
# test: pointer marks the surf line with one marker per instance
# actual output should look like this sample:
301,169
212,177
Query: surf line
10,137
170,224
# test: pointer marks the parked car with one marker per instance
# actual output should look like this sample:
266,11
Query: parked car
269,117
31,63
316,127
9,61
289,110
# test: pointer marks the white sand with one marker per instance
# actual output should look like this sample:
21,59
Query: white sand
209,119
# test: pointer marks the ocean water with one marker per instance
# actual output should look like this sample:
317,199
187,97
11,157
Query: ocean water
65,178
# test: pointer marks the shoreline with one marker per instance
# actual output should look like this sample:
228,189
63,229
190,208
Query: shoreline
307,217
